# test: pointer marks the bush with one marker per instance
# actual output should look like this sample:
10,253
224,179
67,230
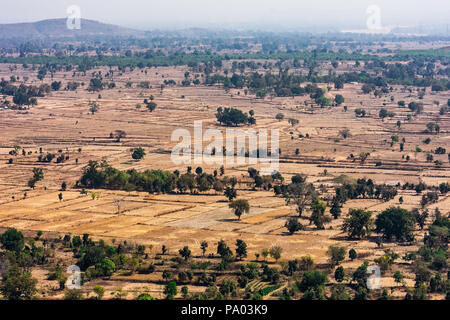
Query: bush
73,294
336,254
293,225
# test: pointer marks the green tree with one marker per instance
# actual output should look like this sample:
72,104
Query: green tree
396,222
339,293
293,121
300,193
385,295
265,253
339,274
335,208
99,291
359,223
279,116
231,116
352,254
336,254
224,251
312,284
106,268
398,277
230,193
56,85
204,246
420,292
293,225
241,249
275,252
18,284
38,174
360,275
240,206
339,99
91,257
318,214
73,294
170,290
145,297
185,291
386,260
12,240
228,287
185,253
138,153
323,101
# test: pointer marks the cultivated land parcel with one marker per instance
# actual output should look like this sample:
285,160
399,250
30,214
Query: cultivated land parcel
325,145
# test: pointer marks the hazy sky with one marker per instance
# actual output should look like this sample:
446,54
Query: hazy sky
150,14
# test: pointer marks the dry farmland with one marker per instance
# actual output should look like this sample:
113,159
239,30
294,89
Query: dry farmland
61,123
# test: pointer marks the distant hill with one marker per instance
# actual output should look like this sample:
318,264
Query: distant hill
57,28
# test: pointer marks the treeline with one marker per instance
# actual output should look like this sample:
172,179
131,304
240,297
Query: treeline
234,117
366,189
102,175
23,94
155,59
286,84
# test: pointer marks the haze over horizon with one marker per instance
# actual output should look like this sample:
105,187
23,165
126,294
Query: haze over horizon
256,14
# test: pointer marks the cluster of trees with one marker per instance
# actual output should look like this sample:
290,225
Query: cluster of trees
234,117
303,194
96,84
19,256
386,114
444,187
285,83
392,223
364,188
102,175
416,107
98,259
23,95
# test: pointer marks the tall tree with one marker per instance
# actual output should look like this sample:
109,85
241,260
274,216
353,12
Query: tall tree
240,206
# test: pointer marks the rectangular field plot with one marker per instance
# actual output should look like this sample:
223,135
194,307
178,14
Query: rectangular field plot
111,207
212,217
48,200
19,223
72,224
272,226
152,209
133,231
267,216
107,224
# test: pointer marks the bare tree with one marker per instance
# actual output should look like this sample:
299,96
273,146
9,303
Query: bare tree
300,194
118,203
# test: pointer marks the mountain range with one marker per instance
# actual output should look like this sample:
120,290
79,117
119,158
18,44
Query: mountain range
57,28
